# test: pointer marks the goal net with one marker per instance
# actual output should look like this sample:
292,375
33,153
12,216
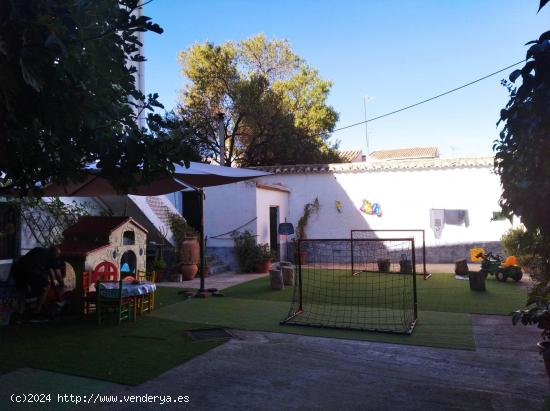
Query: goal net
417,235
378,294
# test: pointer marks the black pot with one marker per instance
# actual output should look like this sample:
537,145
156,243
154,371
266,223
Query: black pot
405,267
383,265
477,280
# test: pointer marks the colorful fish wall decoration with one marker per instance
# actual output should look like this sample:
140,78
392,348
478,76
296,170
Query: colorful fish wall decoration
371,208
338,206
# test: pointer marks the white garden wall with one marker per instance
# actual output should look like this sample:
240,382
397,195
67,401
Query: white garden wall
406,198
405,194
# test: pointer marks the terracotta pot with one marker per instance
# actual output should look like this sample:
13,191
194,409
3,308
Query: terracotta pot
190,252
544,350
188,271
264,266
301,257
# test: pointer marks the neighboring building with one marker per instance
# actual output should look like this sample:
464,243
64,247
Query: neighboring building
414,153
351,156
411,194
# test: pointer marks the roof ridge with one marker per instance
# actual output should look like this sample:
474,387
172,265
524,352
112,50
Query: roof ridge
383,165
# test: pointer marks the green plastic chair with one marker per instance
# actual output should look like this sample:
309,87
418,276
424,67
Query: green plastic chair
111,301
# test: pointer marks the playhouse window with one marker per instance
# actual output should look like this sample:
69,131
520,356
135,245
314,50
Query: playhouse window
128,238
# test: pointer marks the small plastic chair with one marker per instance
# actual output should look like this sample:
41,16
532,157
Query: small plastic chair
89,297
111,300
146,302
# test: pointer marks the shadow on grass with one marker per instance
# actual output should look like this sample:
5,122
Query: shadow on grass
130,353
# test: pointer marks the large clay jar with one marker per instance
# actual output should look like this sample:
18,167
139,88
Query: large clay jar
188,271
190,251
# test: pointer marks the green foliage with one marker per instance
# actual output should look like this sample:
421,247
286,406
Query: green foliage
68,96
265,253
248,253
274,103
523,152
48,219
309,210
158,265
517,241
180,229
536,313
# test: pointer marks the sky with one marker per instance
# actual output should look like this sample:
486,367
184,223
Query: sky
396,52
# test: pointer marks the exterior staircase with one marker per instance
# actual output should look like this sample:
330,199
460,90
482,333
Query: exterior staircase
216,266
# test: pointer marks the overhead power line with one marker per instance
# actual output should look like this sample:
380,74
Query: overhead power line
428,99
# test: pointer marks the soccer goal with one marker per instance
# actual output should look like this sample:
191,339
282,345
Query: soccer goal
419,237
378,296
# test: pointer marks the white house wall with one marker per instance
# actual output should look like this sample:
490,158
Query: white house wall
227,208
266,198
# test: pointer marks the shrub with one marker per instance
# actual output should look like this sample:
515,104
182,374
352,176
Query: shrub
248,253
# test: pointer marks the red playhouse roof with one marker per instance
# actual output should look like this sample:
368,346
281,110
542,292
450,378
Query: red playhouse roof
80,249
98,226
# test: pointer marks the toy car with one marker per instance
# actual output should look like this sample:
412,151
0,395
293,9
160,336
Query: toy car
493,264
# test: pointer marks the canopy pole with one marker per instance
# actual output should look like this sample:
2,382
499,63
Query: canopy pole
202,251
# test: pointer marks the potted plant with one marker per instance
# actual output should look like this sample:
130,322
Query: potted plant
187,247
537,313
264,257
246,251
309,210
159,267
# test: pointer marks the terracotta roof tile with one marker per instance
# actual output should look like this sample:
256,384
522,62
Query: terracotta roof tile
406,153
350,156
380,166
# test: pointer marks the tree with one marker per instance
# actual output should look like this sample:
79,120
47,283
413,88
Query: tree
523,150
68,95
274,103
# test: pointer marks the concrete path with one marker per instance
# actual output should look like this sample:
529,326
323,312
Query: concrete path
219,281
267,371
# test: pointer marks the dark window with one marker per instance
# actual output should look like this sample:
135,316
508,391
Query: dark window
128,238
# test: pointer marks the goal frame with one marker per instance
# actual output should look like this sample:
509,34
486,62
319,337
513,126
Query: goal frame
298,289
425,274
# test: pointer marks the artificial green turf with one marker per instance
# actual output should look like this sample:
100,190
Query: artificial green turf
167,296
446,330
443,321
131,353
441,292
